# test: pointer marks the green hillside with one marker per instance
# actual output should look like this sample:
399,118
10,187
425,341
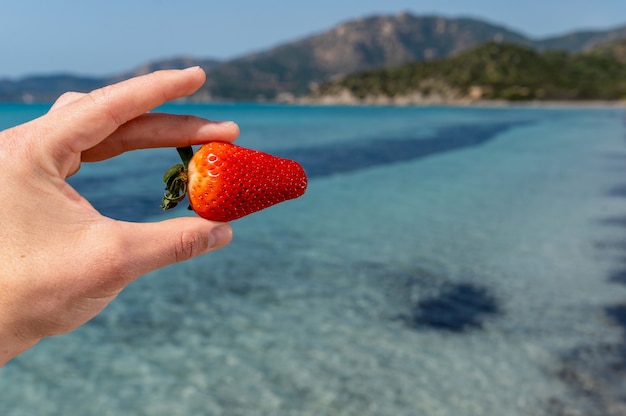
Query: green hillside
615,49
497,71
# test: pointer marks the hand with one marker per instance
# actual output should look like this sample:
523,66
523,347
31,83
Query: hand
61,261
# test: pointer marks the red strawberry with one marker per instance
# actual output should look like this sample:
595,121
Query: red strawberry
225,181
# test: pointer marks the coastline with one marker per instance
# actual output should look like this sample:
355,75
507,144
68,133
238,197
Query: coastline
419,100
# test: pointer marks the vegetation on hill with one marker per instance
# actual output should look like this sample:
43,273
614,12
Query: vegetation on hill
496,71
615,49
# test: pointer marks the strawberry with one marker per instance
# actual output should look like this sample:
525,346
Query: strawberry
225,181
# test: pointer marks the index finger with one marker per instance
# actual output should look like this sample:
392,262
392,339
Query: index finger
85,122
161,130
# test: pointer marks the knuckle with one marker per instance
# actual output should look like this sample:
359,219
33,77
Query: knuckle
102,99
68,97
190,244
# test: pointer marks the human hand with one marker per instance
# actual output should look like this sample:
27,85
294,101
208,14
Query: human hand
61,261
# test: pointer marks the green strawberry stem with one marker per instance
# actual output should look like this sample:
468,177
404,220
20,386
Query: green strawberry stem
185,153
175,179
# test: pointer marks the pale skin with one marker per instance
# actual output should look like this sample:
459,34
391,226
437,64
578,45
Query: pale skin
61,261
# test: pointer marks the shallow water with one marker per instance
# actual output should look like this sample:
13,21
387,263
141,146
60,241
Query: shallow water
444,261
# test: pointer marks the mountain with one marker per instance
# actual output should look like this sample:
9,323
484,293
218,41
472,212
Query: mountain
369,43
492,71
372,42
171,63
294,67
581,40
45,88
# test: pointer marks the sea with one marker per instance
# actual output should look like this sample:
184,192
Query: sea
444,261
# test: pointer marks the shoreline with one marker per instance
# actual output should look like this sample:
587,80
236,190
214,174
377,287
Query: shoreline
447,97
452,102
476,104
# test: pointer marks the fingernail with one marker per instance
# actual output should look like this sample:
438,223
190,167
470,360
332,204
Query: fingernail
192,68
221,235
209,128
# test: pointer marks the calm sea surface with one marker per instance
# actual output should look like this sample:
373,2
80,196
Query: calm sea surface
444,261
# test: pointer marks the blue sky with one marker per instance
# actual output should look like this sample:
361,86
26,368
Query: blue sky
107,37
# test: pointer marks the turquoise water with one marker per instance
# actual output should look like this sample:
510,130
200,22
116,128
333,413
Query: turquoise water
444,261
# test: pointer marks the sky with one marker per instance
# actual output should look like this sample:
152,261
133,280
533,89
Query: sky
98,37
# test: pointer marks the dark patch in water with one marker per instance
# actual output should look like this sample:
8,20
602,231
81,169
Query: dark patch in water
335,159
617,315
121,195
458,308
614,221
426,299
132,208
596,374
618,191
618,276
615,245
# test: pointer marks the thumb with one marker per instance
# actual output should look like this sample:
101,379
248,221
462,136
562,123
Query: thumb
149,246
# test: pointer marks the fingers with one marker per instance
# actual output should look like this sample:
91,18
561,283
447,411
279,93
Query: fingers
150,246
79,123
161,130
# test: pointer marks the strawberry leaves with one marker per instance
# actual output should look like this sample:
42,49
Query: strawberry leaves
175,179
